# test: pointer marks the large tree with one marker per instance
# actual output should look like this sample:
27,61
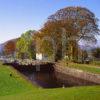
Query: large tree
69,25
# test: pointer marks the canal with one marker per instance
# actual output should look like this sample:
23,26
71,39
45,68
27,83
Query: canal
45,77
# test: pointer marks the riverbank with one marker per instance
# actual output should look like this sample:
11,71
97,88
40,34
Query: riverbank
75,74
91,68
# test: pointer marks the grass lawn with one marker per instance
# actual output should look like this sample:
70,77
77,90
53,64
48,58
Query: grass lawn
12,84
16,88
85,67
96,63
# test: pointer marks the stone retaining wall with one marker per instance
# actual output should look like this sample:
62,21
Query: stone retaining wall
75,77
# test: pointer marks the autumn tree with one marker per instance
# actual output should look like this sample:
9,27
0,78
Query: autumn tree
10,47
73,24
52,33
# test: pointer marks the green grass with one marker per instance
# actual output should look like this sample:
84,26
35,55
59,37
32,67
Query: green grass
81,93
17,88
11,85
97,63
85,67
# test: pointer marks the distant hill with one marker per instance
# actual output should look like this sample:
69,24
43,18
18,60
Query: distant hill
1,48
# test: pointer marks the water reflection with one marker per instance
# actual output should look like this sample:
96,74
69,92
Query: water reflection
43,79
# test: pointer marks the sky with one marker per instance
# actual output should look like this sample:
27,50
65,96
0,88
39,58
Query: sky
18,16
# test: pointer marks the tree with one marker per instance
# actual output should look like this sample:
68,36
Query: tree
74,23
10,47
26,46
96,52
48,39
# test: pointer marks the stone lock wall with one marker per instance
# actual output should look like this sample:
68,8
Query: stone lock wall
74,77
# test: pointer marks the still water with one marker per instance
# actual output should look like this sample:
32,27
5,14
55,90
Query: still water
43,79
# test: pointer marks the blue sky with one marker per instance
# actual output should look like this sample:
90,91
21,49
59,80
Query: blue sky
17,16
